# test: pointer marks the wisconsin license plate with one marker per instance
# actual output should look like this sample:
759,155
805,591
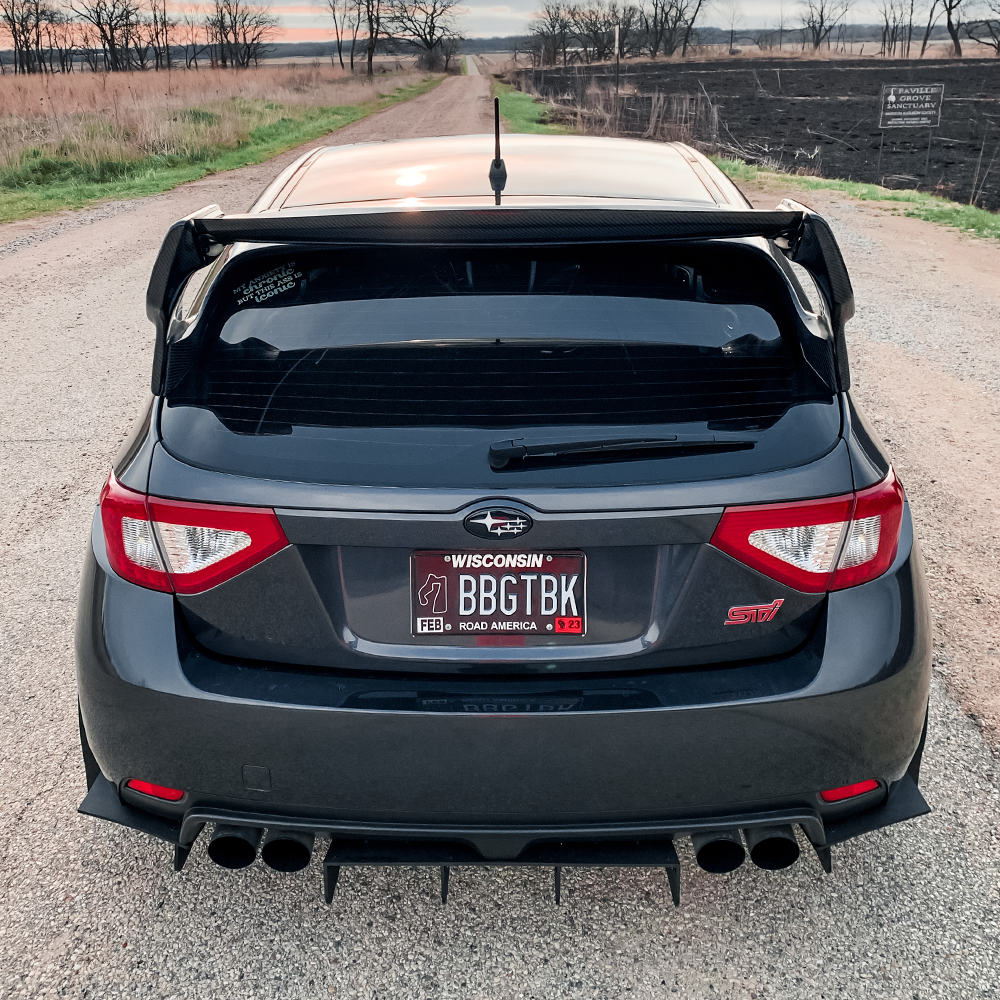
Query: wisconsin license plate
498,593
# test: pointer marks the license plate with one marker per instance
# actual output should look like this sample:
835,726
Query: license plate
498,594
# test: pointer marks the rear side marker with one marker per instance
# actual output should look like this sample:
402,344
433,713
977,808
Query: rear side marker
849,791
156,791
174,545
818,545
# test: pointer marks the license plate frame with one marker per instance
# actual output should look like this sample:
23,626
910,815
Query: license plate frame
534,593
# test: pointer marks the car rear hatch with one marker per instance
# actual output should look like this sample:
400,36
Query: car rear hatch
495,460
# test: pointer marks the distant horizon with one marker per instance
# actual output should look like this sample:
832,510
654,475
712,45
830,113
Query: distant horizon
318,35
307,23
504,21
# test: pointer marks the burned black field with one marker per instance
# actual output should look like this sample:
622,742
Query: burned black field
817,117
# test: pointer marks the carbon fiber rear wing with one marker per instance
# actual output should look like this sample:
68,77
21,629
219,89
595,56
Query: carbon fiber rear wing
802,235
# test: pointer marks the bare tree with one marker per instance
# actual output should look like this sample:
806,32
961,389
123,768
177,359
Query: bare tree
655,17
354,23
549,29
518,45
909,28
239,32
61,38
450,48
893,13
630,31
568,32
987,30
932,15
160,30
192,34
594,27
782,23
89,47
114,23
732,17
23,21
689,27
665,25
820,17
341,12
373,14
953,21
423,25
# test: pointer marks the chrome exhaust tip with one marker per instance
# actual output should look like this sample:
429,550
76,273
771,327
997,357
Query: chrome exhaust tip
772,847
287,850
234,846
718,851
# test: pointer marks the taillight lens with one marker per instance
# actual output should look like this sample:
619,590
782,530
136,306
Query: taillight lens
871,544
187,547
818,545
128,537
207,544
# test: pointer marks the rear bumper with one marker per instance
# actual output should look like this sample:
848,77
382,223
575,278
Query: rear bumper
480,844
282,753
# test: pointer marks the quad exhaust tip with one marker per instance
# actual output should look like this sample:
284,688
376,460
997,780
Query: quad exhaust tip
772,847
719,851
234,846
287,850
283,850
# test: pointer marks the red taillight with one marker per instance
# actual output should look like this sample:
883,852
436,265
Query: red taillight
128,537
871,544
188,547
818,545
849,791
207,544
157,791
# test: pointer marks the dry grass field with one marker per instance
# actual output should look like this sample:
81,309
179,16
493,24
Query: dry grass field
100,117
70,140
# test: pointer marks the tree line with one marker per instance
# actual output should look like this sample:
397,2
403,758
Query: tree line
566,33
905,24
428,28
127,35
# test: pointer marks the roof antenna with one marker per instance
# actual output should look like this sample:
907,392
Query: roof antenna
498,172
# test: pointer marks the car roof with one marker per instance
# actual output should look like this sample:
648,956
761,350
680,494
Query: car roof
542,170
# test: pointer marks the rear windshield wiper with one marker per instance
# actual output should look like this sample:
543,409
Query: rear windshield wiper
522,451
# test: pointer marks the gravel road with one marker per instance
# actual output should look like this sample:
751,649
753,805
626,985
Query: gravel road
91,910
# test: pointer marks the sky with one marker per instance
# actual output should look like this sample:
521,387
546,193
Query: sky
307,23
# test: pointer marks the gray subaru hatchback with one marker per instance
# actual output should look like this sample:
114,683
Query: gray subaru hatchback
502,511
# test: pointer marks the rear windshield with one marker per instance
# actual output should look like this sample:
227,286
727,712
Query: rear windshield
301,364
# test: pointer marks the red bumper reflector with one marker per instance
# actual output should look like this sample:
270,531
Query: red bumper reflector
848,791
157,791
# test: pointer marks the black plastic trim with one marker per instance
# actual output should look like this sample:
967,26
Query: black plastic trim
181,254
903,802
497,226
380,844
103,802
817,251
501,843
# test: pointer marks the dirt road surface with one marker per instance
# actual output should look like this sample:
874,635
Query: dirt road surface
92,910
